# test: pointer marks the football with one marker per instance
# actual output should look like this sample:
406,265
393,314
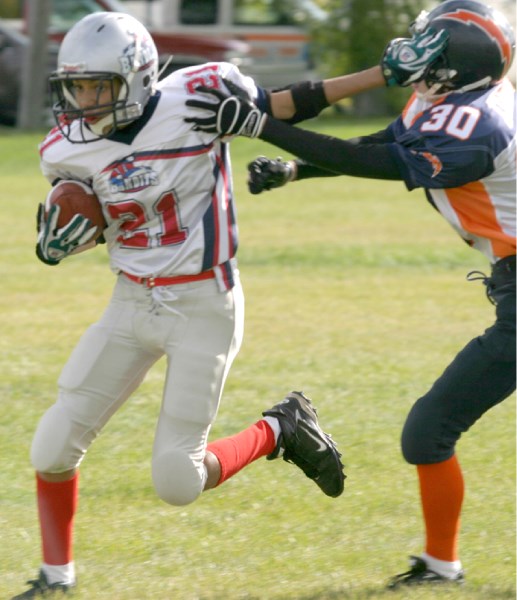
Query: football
76,198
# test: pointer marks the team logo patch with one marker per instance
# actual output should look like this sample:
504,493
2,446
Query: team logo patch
436,163
126,177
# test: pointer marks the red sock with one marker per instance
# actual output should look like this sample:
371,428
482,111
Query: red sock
441,491
237,451
57,504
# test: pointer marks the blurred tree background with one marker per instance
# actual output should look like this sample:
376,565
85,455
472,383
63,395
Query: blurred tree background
10,9
353,37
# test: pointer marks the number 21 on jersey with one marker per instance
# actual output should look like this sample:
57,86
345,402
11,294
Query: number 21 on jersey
133,221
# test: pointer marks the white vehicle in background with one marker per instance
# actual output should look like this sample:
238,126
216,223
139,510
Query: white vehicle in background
183,49
276,31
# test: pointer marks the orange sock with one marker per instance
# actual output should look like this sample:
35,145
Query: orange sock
441,491
237,451
57,504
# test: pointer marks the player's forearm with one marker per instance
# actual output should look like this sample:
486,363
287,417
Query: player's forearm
286,103
345,157
348,85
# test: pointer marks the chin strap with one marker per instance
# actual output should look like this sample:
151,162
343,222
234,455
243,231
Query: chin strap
477,85
435,91
99,126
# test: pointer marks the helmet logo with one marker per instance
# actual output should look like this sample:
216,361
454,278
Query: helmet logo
72,68
129,61
488,26
407,54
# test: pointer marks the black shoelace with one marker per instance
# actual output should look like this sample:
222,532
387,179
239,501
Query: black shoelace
480,276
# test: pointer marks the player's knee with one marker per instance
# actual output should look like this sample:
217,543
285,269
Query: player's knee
177,479
421,444
53,449
414,449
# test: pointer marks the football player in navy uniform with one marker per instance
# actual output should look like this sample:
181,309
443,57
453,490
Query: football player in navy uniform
455,139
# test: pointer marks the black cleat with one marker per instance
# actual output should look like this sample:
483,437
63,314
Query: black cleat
420,574
41,588
306,445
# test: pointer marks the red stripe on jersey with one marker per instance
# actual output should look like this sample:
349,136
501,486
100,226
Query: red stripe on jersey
216,227
491,29
201,70
54,136
228,206
161,155
477,215
225,207
226,278
172,154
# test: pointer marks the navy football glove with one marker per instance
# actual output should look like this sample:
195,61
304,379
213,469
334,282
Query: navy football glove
267,174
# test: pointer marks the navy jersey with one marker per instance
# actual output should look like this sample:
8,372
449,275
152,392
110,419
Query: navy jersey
461,149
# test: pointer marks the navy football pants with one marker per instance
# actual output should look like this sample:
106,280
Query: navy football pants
479,377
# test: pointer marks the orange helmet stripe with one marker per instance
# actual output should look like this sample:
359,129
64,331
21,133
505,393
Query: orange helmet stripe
488,25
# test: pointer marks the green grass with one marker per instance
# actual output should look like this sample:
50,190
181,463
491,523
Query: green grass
356,293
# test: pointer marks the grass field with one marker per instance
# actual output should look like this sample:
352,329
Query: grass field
356,294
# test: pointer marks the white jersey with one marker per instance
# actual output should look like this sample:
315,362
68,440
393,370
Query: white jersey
166,190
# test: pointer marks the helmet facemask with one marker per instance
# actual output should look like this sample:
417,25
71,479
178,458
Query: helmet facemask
103,118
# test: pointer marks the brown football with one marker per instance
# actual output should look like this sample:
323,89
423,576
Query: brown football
74,199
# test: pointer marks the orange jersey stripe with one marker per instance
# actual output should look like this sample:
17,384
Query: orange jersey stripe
415,107
410,106
477,215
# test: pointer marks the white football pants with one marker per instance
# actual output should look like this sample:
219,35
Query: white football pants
198,328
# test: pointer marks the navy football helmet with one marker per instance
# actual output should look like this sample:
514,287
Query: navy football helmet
480,49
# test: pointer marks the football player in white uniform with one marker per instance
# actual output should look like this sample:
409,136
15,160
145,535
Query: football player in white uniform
166,193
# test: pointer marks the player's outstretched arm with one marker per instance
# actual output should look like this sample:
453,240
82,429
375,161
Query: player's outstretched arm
403,62
267,174
232,112
293,103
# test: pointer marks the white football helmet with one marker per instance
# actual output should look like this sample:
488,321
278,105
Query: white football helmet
115,49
